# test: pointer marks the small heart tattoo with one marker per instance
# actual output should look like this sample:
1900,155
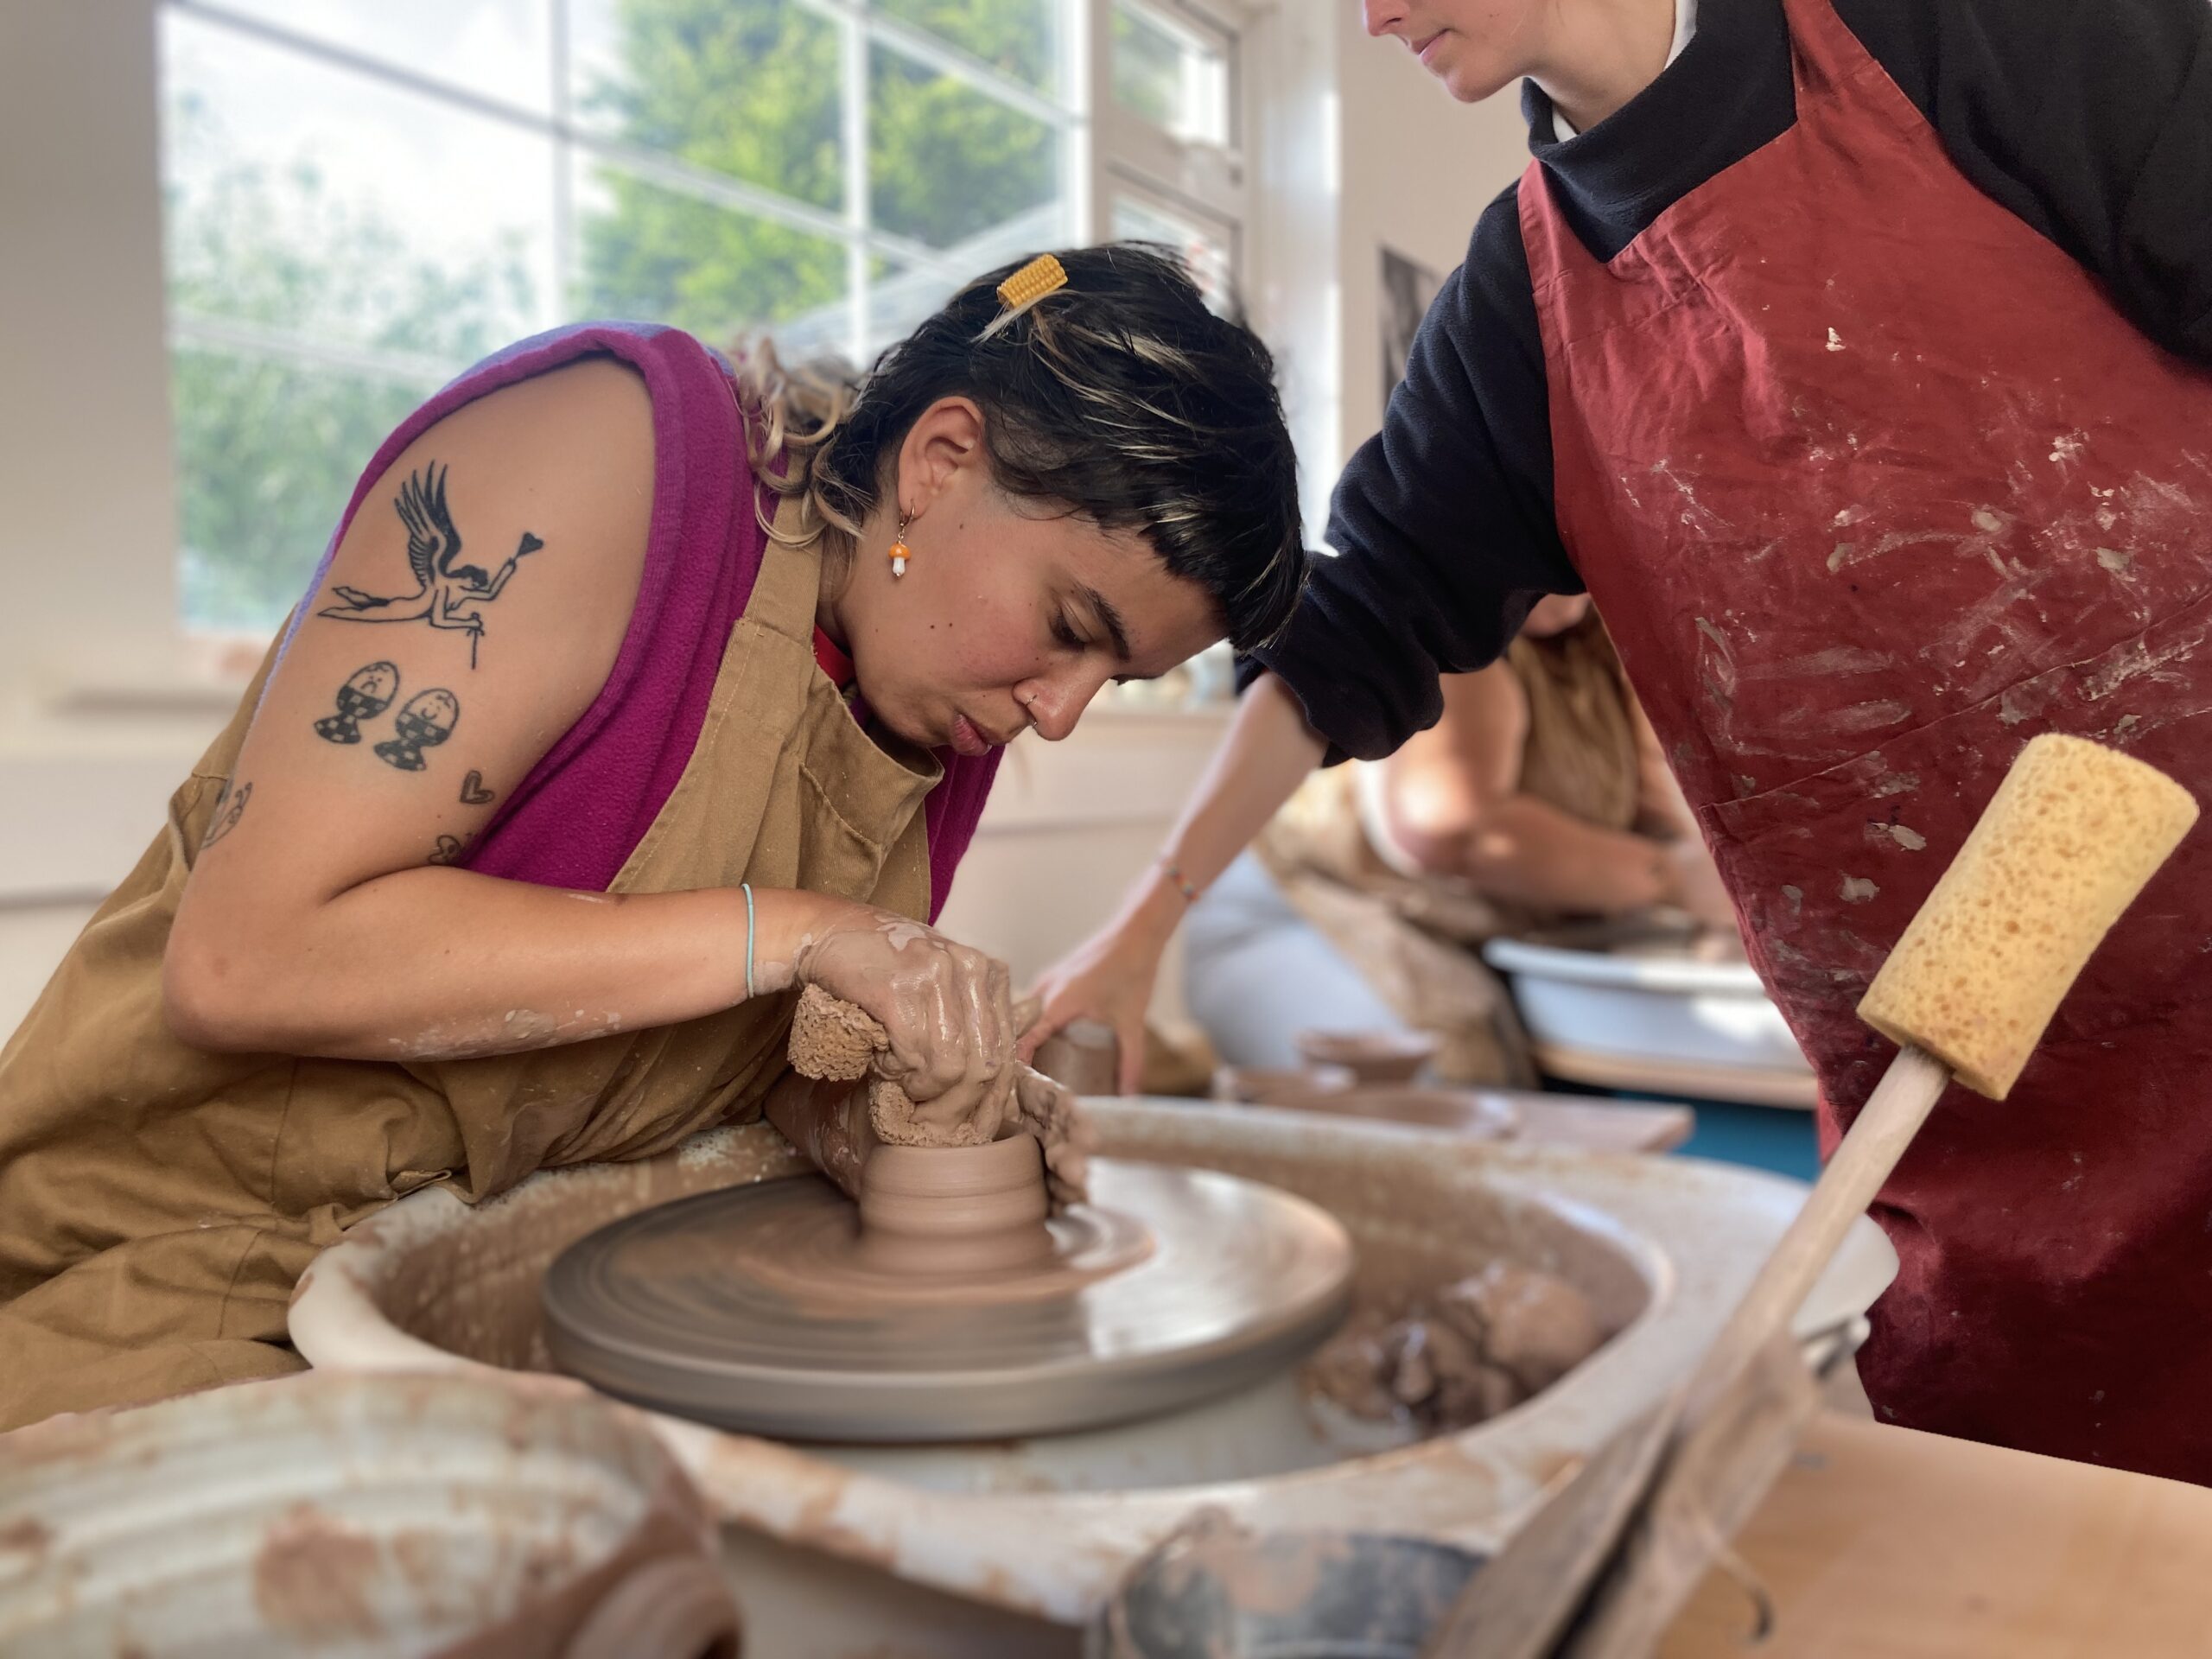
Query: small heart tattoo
472,792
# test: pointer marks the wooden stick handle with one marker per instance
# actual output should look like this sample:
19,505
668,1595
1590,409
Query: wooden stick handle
1884,1127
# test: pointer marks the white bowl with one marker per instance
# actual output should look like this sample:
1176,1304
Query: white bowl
1653,1020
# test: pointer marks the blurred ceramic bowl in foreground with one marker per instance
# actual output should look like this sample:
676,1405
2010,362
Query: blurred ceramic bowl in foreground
1369,1056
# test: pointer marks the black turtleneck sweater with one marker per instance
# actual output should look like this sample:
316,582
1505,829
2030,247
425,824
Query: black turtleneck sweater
2091,119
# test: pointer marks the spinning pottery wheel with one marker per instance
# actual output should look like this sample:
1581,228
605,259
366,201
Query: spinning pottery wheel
782,1309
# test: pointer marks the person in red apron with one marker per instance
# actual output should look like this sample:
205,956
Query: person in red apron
1852,354
633,691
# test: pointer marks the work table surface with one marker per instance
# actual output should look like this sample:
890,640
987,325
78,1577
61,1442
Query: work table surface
1883,1543
1599,1125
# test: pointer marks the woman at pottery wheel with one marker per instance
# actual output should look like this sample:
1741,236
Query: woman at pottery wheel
634,694
1853,356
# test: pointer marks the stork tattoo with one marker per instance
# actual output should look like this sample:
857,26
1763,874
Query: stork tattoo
448,593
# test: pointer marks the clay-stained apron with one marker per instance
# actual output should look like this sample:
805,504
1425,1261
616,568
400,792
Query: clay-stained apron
1872,483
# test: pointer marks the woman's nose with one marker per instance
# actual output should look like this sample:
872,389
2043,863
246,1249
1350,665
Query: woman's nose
1055,705
1383,15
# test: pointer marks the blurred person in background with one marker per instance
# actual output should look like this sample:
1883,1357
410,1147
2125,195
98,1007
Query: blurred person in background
1539,798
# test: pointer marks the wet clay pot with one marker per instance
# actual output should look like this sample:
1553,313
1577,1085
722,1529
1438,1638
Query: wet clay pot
353,1516
1084,1055
1372,1057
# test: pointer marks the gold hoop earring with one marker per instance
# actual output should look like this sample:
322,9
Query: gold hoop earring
899,551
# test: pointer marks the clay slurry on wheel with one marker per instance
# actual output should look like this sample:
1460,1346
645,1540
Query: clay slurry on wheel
756,1308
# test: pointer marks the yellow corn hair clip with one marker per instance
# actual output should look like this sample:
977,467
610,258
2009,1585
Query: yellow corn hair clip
1041,276
1032,282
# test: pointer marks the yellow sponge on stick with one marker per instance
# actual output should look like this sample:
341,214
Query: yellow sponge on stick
2071,836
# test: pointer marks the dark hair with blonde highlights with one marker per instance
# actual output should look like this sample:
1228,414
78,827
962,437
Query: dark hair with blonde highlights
1121,398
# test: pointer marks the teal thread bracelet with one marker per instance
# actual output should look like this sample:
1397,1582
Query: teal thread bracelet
746,887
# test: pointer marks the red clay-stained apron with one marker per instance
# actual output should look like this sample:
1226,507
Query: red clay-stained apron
1871,483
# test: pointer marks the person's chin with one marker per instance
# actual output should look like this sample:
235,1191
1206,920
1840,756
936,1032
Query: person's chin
1473,87
1468,82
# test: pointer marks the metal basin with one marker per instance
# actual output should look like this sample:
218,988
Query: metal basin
322,1514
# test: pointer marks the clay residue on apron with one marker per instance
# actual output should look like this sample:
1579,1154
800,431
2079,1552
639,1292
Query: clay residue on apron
1997,488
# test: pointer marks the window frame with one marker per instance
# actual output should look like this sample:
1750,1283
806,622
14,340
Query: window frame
1139,158
861,27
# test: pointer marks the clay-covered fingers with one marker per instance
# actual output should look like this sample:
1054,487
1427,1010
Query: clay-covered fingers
827,1122
1049,1111
991,1057
955,1060
946,1010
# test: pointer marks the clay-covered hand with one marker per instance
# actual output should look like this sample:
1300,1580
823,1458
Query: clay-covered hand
946,1010
1049,1112
827,1122
1107,978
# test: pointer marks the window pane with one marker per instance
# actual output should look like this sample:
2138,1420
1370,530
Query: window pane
1205,249
498,48
268,453
339,242
901,300
955,169
309,201
1020,38
661,256
1172,75
745,87
336,247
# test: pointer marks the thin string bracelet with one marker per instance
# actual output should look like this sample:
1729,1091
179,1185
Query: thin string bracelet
746,887
1182,882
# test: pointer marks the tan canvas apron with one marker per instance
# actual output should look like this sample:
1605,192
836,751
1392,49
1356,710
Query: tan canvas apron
157,1204
1415,940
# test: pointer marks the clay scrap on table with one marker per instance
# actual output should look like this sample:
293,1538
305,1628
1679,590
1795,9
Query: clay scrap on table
833,1041
1466,1353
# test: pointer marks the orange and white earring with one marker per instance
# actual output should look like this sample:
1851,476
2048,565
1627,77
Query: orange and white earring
899,551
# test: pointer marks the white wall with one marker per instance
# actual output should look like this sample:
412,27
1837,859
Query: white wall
85,468
83,404
1357,148
1419,169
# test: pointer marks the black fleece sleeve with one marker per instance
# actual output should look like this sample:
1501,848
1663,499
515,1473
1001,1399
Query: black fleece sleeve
2091,119
1441,528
